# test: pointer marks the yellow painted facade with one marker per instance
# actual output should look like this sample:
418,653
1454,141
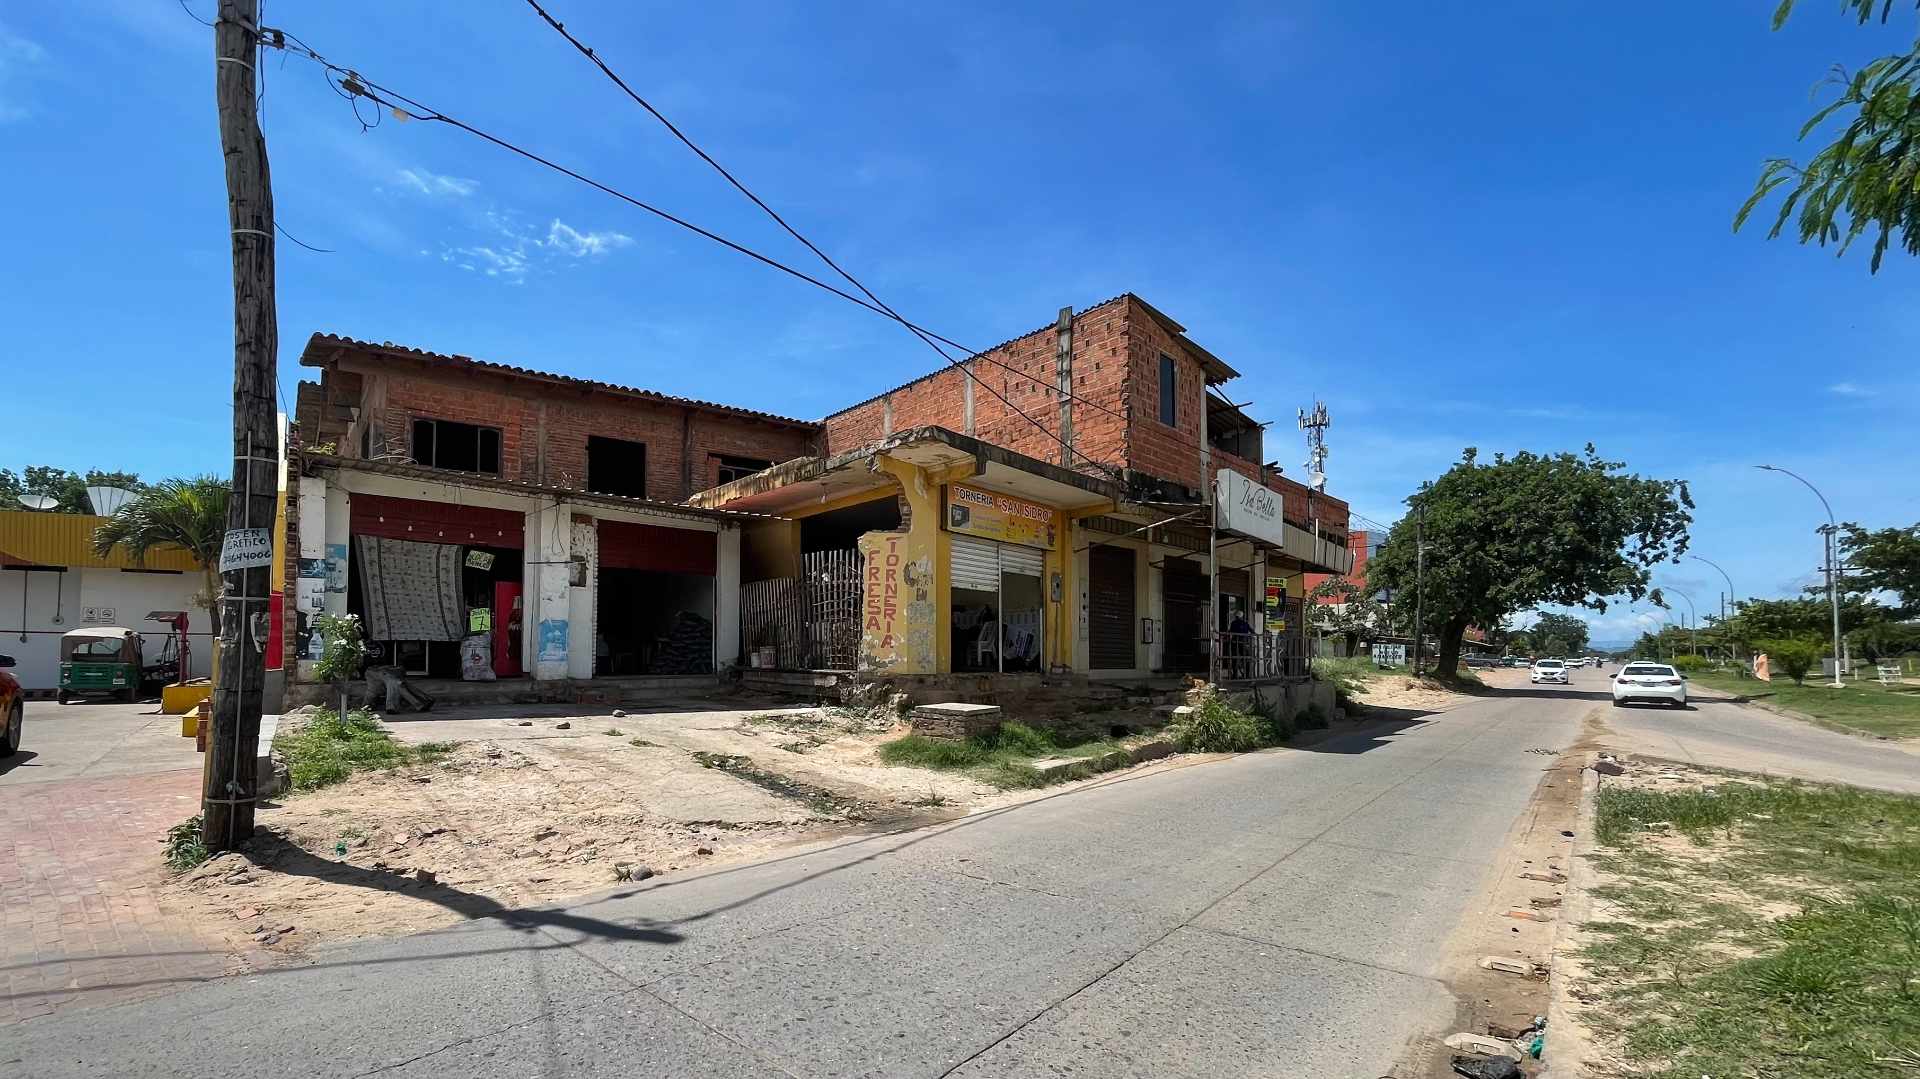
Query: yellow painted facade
66,539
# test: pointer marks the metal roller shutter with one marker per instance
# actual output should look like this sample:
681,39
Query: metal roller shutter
1028,561
975,564
1110,607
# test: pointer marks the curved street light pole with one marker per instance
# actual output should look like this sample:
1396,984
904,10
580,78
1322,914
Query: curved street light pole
1831,532
1694,647
1733,601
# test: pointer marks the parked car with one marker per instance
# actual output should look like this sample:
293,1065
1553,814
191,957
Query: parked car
1653,682
13,709
1481,662
1517,662
1548,670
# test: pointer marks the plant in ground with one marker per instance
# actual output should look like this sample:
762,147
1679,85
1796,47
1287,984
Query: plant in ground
1795,656
185,847
1215,726
330,748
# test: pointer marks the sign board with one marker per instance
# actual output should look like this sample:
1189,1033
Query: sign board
1389,655
1276,591
1248,508
99,616
992,515
246,548
480,560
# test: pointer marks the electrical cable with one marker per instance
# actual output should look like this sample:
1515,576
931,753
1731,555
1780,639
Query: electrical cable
354,86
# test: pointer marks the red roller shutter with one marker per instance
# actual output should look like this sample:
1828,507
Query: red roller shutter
651,547
437,522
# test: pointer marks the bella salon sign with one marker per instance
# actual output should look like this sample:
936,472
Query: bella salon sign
1246,507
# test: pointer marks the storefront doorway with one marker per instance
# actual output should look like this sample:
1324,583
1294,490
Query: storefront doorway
1183,592
653,605
1110,608
999,606
430,577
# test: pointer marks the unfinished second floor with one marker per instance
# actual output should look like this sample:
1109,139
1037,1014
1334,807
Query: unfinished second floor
388,402
1117,389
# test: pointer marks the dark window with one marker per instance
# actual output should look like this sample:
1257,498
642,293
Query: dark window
733,468
1169,390
616,466
461,447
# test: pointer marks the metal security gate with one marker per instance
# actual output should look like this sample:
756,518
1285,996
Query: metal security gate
810,622
1110,608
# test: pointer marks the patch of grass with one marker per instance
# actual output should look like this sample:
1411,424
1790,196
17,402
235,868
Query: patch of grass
1216,727
613,732
1865,707
1784,939
331,748
819,800
184,847
642,743
1349,675
1003,758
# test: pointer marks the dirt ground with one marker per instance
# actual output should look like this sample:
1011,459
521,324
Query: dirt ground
1402,691
535,805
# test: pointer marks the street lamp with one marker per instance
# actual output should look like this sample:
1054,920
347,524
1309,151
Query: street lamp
1695,638
1732,601
1833,591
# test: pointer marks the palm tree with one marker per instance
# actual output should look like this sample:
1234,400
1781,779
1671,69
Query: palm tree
189,513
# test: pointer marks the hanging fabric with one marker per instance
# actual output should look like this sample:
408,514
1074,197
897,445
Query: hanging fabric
410,590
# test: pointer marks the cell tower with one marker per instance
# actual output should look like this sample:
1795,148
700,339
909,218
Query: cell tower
1315,424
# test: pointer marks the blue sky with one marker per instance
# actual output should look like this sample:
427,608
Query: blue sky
1491,224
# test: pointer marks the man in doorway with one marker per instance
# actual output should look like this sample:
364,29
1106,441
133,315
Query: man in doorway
400,697
1240,645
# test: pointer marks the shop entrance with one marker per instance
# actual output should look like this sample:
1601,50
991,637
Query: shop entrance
438,586
999,606
1110,608
1183,592
653,601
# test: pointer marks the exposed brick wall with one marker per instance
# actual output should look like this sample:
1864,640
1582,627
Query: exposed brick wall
544,428
1171,453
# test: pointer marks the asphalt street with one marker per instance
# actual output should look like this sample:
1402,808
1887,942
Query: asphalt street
1278,913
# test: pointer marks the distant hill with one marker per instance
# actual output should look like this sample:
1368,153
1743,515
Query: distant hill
1609,646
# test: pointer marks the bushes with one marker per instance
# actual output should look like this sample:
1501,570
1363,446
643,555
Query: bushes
1794,656
1347,676
1215,726
330,748
1692,664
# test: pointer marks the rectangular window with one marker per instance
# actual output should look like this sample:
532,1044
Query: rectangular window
734,468
616,466
462,447
1169,392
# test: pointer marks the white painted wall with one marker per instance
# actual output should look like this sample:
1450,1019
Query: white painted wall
54,603
550,637
726,603
584,613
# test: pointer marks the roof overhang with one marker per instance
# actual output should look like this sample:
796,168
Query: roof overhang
795,487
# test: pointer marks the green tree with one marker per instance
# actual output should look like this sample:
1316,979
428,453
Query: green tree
1563,629
1567,529
1865,179
69,489
1884,560
1794,656
1347,612
185,513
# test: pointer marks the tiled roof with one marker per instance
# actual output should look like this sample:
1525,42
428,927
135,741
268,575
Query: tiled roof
309,358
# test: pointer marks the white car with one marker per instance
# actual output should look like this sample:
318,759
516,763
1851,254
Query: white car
1654,682
1577,661
1548,670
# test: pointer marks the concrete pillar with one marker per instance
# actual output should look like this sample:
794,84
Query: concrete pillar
583,578
726,598
549,599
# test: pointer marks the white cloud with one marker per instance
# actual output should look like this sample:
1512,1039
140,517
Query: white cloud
1847,389
17,55
434,184
567,240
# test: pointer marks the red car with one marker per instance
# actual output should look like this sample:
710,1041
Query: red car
13,708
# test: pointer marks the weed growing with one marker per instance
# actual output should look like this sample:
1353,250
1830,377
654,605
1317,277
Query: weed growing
184,846
1781,938
331,748
1216,726
1002,757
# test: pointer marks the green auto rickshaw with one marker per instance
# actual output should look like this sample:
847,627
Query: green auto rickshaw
103,660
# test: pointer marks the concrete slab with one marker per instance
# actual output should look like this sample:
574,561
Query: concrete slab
96,738
1203,1005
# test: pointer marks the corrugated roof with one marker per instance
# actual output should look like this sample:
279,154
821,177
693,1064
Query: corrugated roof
28,538
308,358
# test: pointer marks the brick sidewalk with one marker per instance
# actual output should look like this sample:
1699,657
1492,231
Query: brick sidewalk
79,923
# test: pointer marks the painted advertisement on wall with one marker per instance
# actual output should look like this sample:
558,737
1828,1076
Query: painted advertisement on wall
994,516
896,605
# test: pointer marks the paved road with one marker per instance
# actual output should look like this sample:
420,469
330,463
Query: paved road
1278,913
96,738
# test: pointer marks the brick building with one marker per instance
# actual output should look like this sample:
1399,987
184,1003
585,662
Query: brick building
440,497
1125,578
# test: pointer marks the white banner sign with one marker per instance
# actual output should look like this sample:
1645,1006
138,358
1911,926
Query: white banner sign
246,548
1248,508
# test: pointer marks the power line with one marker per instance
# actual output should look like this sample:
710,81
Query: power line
925,335
355,86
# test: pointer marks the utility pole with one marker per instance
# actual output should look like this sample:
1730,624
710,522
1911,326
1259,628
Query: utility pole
1419,588
230,786
1830,532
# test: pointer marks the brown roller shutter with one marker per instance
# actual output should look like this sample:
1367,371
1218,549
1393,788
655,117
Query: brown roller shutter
1233,582
1110,610
624,545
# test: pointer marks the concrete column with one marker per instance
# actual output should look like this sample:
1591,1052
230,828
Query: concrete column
726,598
583,616
549,599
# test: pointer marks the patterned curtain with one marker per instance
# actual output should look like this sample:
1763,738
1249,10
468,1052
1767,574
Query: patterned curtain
411,590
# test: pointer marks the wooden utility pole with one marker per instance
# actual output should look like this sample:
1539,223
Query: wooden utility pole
231,784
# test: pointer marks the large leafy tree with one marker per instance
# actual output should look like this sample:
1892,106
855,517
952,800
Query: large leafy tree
1569,631
1569,530
186,513
68,488
1346,610
1865,180
1884,560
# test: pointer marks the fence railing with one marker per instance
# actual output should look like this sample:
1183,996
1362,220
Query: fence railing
1250,657
810,622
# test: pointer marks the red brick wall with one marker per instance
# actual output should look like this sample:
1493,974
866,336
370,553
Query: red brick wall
1024,372
532,416
1171,453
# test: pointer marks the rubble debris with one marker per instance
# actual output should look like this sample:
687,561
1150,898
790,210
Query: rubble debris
1486,1067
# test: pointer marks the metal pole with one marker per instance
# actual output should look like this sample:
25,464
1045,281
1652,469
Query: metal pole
1419,589
1833,595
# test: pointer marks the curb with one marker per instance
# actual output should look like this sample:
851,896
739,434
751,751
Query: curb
1576,910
